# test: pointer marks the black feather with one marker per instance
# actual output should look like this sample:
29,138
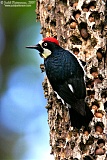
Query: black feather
63,69
77,120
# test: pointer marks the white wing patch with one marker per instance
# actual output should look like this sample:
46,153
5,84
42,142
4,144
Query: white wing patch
59,97
71,88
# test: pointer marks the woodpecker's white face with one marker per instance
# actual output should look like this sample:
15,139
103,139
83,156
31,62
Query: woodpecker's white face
45,46
46,51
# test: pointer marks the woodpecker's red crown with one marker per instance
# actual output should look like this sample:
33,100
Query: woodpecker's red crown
51,39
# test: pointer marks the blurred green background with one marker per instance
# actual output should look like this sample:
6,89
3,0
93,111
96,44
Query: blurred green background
24,132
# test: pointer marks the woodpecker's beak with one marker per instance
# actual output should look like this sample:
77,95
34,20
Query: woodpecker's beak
32,47
37,47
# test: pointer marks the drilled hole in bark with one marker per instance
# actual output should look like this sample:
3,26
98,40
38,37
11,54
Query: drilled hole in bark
89,83
91,18
82,146
99,151
88,158
91,93
82,25
93,69
72,23
99,114
63,1
99,127
95,14
92,5
55,37
75,40
83,30
76,14
73,3
87,129
94,72
104,93
100,54
105,106
90,141
93,42
101,141
75,51
72,145
85,7
95,105
47,19
63,39
53,22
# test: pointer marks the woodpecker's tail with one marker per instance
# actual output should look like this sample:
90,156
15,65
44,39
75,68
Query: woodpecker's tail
77,120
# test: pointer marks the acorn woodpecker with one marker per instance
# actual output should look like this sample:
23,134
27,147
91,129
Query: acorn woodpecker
66,76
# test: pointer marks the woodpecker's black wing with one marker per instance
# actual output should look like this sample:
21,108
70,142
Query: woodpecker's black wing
71,95
67,78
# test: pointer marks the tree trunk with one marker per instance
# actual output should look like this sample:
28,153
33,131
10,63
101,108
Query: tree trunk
80,26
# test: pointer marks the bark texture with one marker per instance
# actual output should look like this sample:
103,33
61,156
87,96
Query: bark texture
81,27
